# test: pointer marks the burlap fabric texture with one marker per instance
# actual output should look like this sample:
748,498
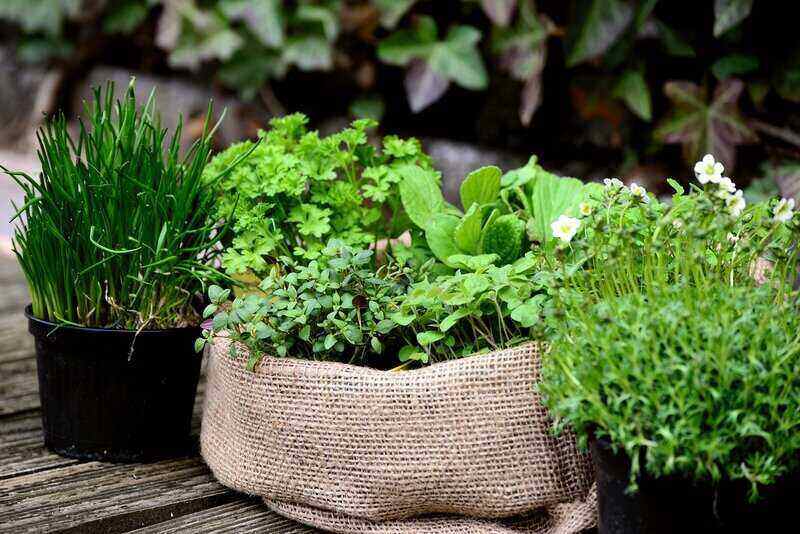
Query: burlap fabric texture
463,446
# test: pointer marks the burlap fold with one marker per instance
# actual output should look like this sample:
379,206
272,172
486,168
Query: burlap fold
460,446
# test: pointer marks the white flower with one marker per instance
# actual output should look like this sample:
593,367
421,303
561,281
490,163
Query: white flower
677,223
585,209
732,238
613,182
784,210
564,228
726,184
640,192
708,170
735,203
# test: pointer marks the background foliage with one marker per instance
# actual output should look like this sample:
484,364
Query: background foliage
627,82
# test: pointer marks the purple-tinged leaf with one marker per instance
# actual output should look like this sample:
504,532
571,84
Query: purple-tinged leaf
499,11
531,96
423,85
704,127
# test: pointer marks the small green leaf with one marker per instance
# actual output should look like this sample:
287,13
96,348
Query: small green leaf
330,341
633,90
676,186
217,295
409,353
478,262
481,186
734,65
376,344
429,337
451,320
439,235
199,344
210,310
419,191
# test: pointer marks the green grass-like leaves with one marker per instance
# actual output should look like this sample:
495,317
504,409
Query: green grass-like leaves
116,232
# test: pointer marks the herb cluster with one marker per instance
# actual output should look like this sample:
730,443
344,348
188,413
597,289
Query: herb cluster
115,230
296,190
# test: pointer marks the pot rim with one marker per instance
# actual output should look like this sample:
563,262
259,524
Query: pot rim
44,324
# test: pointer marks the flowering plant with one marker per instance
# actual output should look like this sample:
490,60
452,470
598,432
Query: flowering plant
675,331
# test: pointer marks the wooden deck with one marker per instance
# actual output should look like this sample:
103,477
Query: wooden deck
43,492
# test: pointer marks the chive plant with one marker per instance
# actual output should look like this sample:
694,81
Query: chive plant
116,231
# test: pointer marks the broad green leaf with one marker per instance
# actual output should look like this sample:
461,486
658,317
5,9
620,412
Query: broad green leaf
308,52
420,194
550,197
481,186
451,320
124,17
409,353
404,45
439,235
429,337
467,234
600,23
457,58
505,237
521,176
729,13
527,314
325,17
264,18
734,65
632,89
703,126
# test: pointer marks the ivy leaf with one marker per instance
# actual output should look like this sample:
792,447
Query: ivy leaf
632,89
456,58
729,13
704,127
308,53
263,18
600,23
734,65
424,86
481,186
420,194
499,11
439,235
391,11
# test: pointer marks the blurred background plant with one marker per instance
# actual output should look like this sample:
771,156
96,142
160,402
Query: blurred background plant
633,87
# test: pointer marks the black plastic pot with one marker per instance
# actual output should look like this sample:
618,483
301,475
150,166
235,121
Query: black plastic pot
115,395
679,505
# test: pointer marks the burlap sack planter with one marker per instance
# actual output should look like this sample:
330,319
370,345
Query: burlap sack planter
459,446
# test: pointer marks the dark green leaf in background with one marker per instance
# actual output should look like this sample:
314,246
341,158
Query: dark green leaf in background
729,13
600,23
633,90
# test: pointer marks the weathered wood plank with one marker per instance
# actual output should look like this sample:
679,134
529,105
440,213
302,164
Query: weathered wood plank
73,495
19,387
22,448
243,515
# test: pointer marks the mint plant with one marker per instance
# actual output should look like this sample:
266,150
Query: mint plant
335,307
